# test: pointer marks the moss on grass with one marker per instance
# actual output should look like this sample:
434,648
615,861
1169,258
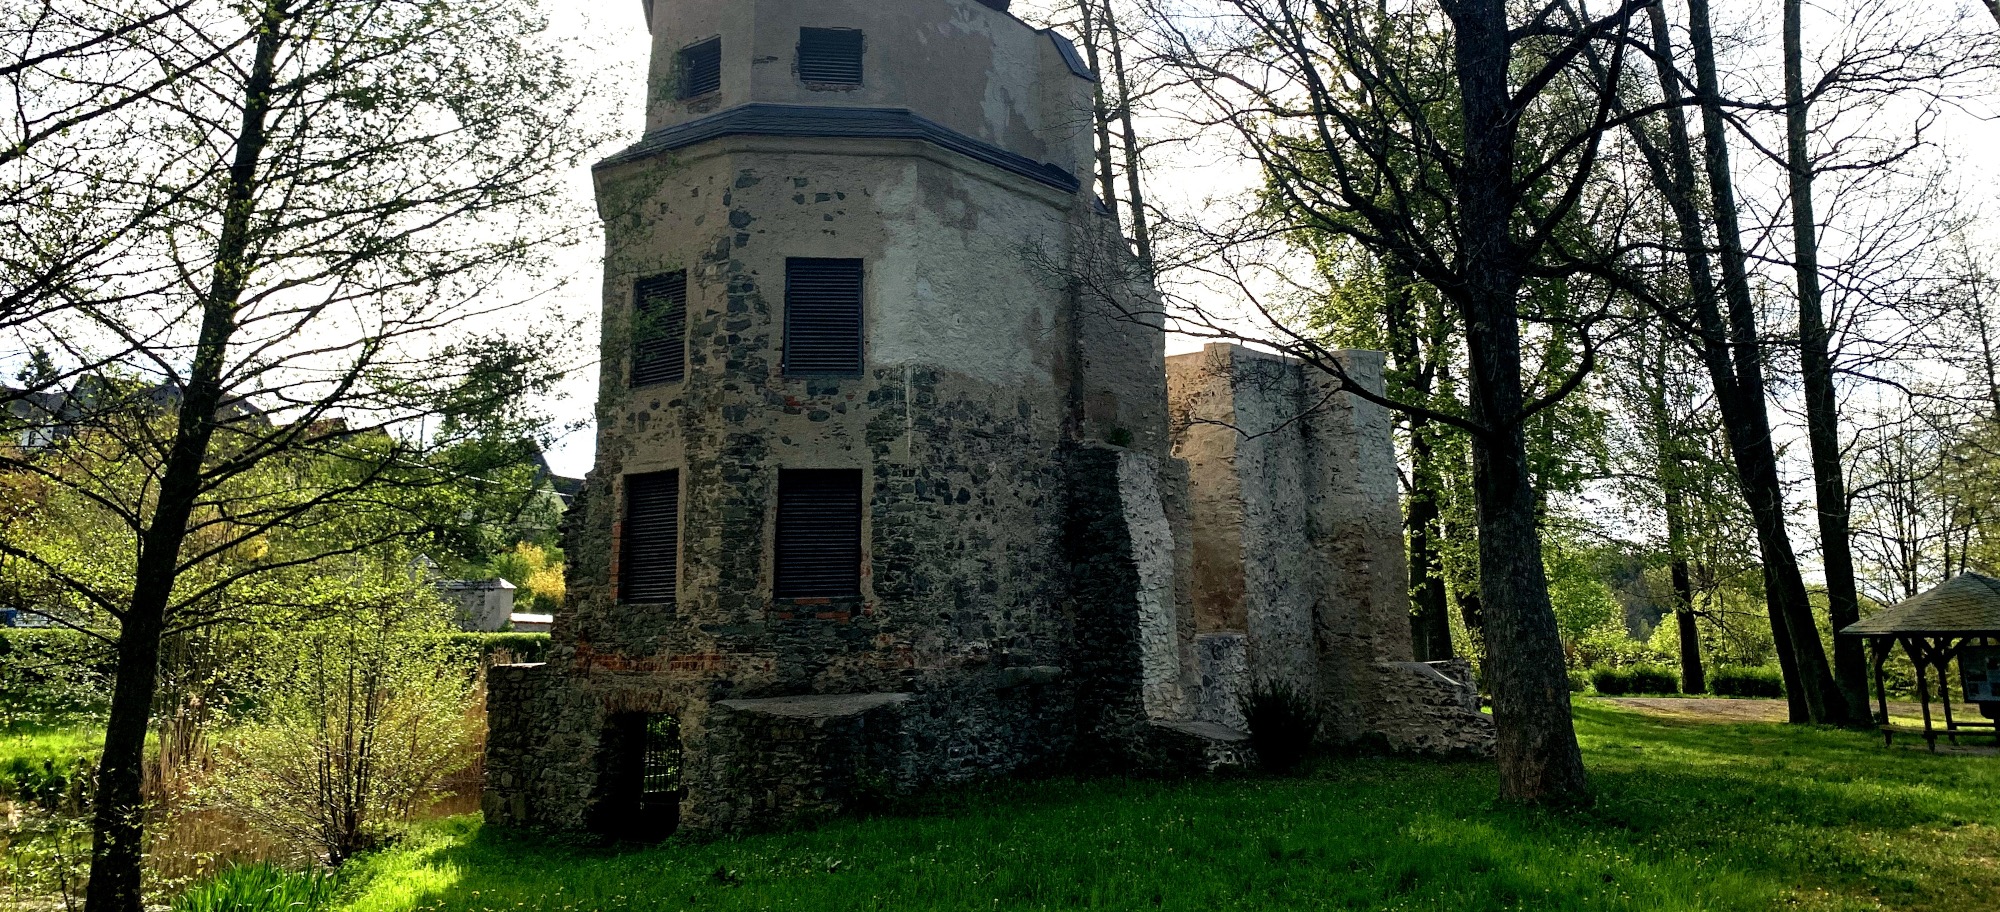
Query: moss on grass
1690,816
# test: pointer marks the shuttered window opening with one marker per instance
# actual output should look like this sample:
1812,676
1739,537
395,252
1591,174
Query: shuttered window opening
649,552
818,552
701,69
822,318
659,329
830,56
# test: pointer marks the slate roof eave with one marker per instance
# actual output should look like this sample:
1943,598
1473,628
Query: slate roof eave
1966,605
762,119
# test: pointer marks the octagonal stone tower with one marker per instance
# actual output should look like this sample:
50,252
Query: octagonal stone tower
883,498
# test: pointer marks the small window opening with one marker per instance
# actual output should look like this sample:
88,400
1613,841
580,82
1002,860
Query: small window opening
818,552
701,69
823,318
640,789
649,546
830,56
659,329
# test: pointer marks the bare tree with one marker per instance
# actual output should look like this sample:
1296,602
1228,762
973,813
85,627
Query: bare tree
342,195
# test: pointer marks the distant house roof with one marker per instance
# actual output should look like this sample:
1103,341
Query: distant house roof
475,584
1968,605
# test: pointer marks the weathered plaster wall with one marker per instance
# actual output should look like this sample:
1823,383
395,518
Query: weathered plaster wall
1299,568
958,62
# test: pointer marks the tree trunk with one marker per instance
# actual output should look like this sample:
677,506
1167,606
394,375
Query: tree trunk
1430,620
1693,679
1430,625
118,826
1142,235
1850,668
1792,626
1107,181
1538,755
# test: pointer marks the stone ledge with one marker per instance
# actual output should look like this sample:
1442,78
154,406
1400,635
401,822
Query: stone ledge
820,706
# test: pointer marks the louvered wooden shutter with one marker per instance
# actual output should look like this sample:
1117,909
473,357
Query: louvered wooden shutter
650,551
701,69
819,533
830,56
822,318
659,329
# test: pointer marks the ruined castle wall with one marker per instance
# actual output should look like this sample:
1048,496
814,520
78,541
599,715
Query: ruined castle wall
1356,517
957,62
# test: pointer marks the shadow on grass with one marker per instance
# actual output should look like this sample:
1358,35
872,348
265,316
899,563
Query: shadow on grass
1689,816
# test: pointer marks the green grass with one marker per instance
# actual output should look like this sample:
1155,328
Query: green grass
1689,817
40,762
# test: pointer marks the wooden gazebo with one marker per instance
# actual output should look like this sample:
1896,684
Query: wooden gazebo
1958,621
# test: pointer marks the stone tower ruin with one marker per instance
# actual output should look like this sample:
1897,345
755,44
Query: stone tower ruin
896,488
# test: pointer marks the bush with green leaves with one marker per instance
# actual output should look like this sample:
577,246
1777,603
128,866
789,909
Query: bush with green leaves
366,712
1284,723
1615,681
52,677
1737,681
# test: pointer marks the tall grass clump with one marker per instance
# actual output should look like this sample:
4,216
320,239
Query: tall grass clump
1283,724
259,888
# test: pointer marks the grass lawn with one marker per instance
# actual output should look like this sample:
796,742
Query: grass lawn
36,759
1690,816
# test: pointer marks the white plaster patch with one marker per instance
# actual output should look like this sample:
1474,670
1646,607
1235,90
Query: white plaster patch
1153,552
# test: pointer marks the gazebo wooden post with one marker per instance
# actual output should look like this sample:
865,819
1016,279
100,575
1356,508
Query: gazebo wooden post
1919,657
1878,649
1943,654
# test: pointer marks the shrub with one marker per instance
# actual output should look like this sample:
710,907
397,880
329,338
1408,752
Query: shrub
1746,682
365,717
259,888
1578,682
1654,679
1611,681
1283,724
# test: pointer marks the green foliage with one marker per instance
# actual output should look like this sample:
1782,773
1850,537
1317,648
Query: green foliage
1737,681
1689,818
1283,725
502,648
260,888
1636,679
1582,600
365,712
53,676
48,766
537,574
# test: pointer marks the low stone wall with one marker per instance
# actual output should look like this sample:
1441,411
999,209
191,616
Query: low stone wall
1432,708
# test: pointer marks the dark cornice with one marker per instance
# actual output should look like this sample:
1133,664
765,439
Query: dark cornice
839,123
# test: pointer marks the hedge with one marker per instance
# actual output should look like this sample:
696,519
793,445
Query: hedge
1643,679
1746,682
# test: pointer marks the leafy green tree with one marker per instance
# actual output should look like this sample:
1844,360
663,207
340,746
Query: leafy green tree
358,194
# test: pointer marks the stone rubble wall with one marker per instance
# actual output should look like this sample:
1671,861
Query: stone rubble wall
1432,708
1224,664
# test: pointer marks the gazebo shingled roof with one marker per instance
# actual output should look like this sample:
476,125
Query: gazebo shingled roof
1968,605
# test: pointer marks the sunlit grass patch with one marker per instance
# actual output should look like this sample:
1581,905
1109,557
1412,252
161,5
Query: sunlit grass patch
1689,817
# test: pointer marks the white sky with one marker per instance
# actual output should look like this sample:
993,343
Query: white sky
612,43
